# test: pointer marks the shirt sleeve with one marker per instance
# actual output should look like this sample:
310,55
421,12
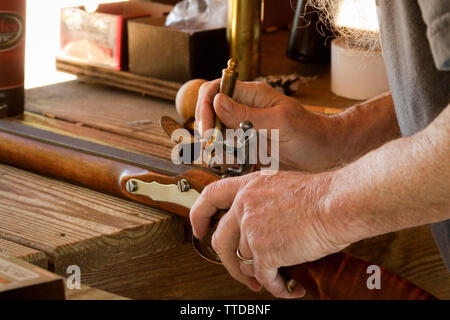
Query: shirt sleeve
436,14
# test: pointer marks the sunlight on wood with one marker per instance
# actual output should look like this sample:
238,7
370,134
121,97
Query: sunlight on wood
42,40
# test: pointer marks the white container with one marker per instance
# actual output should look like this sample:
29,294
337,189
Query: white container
357,73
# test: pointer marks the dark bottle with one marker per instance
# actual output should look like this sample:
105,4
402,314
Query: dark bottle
12,55
306,42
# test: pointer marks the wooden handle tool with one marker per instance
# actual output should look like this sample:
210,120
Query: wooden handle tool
227,85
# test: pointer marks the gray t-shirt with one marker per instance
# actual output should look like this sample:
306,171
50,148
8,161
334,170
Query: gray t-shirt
415,37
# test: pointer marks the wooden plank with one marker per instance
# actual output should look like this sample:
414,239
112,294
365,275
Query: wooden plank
104,109
178,273
77,226
410,253
120,79
181,274
88,293
39,259
78,130
28,254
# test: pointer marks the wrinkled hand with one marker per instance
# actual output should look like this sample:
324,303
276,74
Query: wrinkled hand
275,220
304,142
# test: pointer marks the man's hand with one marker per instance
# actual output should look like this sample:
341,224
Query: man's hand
304,141
275,220
308,141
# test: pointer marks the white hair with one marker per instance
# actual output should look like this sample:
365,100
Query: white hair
328,11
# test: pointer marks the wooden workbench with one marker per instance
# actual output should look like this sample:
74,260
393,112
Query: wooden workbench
136,251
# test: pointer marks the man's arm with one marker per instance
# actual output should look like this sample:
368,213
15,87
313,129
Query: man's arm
362,128
402,184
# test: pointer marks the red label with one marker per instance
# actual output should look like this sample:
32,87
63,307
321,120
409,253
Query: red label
11,30
3,281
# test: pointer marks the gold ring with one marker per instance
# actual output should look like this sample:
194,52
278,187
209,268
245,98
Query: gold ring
243,260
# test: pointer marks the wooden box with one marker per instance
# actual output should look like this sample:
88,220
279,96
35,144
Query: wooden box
175,55
100,37
20,280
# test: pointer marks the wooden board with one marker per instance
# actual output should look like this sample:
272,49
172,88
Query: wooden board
158,150
28,254
76,226
88,293
120,79
180,274
410,253
39,259
177,273
114,116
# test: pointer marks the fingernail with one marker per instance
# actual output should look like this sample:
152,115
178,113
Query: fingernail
226,104
194,234
256,286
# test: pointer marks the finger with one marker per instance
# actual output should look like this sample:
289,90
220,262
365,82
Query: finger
256,94
204,112
246,253
275,284
225,241
218,195
232,113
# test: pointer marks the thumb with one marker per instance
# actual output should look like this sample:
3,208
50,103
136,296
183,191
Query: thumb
232,113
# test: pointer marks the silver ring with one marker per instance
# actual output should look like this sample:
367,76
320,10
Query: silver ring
241,259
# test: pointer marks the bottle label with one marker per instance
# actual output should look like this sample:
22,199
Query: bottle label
11,30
